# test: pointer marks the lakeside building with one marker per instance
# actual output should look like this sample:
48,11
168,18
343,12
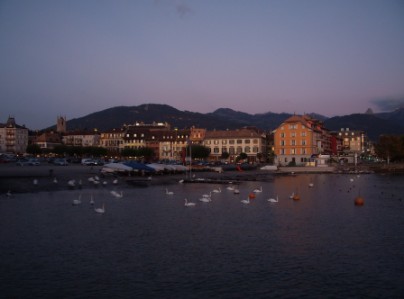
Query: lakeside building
248,140
81,139
48,140
112,140
353,141
299,139
166,144
13,137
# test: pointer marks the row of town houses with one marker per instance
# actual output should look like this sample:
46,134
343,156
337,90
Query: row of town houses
298,139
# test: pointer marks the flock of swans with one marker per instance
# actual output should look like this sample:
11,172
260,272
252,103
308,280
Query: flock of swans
207,197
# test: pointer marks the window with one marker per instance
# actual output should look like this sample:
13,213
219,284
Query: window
292,151
303,134
293,142
224,141
231,141
281,151
231,150
282,135
282,142
247,149
224,150
247,141
303,142
239,141
239,150
255,149
216,150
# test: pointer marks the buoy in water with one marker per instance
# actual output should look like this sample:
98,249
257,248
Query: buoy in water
251,195
296,197
359,201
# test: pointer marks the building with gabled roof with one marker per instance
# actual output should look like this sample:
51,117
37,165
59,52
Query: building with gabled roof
299,139
248,140
13,137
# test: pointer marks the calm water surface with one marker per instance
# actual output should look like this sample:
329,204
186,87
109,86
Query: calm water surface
148,245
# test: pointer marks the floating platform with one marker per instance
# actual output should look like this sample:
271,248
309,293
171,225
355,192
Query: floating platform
211,181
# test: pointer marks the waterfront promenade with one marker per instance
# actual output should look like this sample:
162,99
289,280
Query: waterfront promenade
19,179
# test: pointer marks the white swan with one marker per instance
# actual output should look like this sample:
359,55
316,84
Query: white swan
246,201
311,185
217,190
189,204
181,181
169,192
258,190
91,200
292,195
236,191
231,188
35,182
96,178
104,183
55,180
207,195
77,201
100,210
273,199
115,181
117,194
91,179
205,199
71,183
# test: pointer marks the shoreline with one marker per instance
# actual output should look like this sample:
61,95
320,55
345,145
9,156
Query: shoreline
19,179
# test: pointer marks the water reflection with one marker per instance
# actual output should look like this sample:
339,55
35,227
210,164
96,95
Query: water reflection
148,244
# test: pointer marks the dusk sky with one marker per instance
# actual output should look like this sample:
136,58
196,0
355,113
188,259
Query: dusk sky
73,58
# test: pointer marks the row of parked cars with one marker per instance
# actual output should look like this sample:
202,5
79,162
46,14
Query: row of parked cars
37,162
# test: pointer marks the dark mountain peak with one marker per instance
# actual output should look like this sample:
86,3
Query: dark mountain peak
369,111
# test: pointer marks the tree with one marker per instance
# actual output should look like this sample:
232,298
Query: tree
198,151
34,149
390,147
225,156
242,156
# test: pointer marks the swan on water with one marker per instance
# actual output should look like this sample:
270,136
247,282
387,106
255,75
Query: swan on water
77,201
189,204
292,195
207,195
205,199
71,183
217,190
169,192
236,191
273,199
35,182
231,188
100,210
91,200
258,190
115,181
117,194
311,185
246,201
55,180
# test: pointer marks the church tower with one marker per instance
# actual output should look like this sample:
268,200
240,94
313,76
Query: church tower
61,124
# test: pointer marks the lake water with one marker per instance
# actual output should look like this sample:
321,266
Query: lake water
149,245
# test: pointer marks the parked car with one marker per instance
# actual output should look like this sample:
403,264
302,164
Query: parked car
60,162
31,161
90,162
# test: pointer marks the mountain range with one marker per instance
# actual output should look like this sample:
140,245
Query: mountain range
374,124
